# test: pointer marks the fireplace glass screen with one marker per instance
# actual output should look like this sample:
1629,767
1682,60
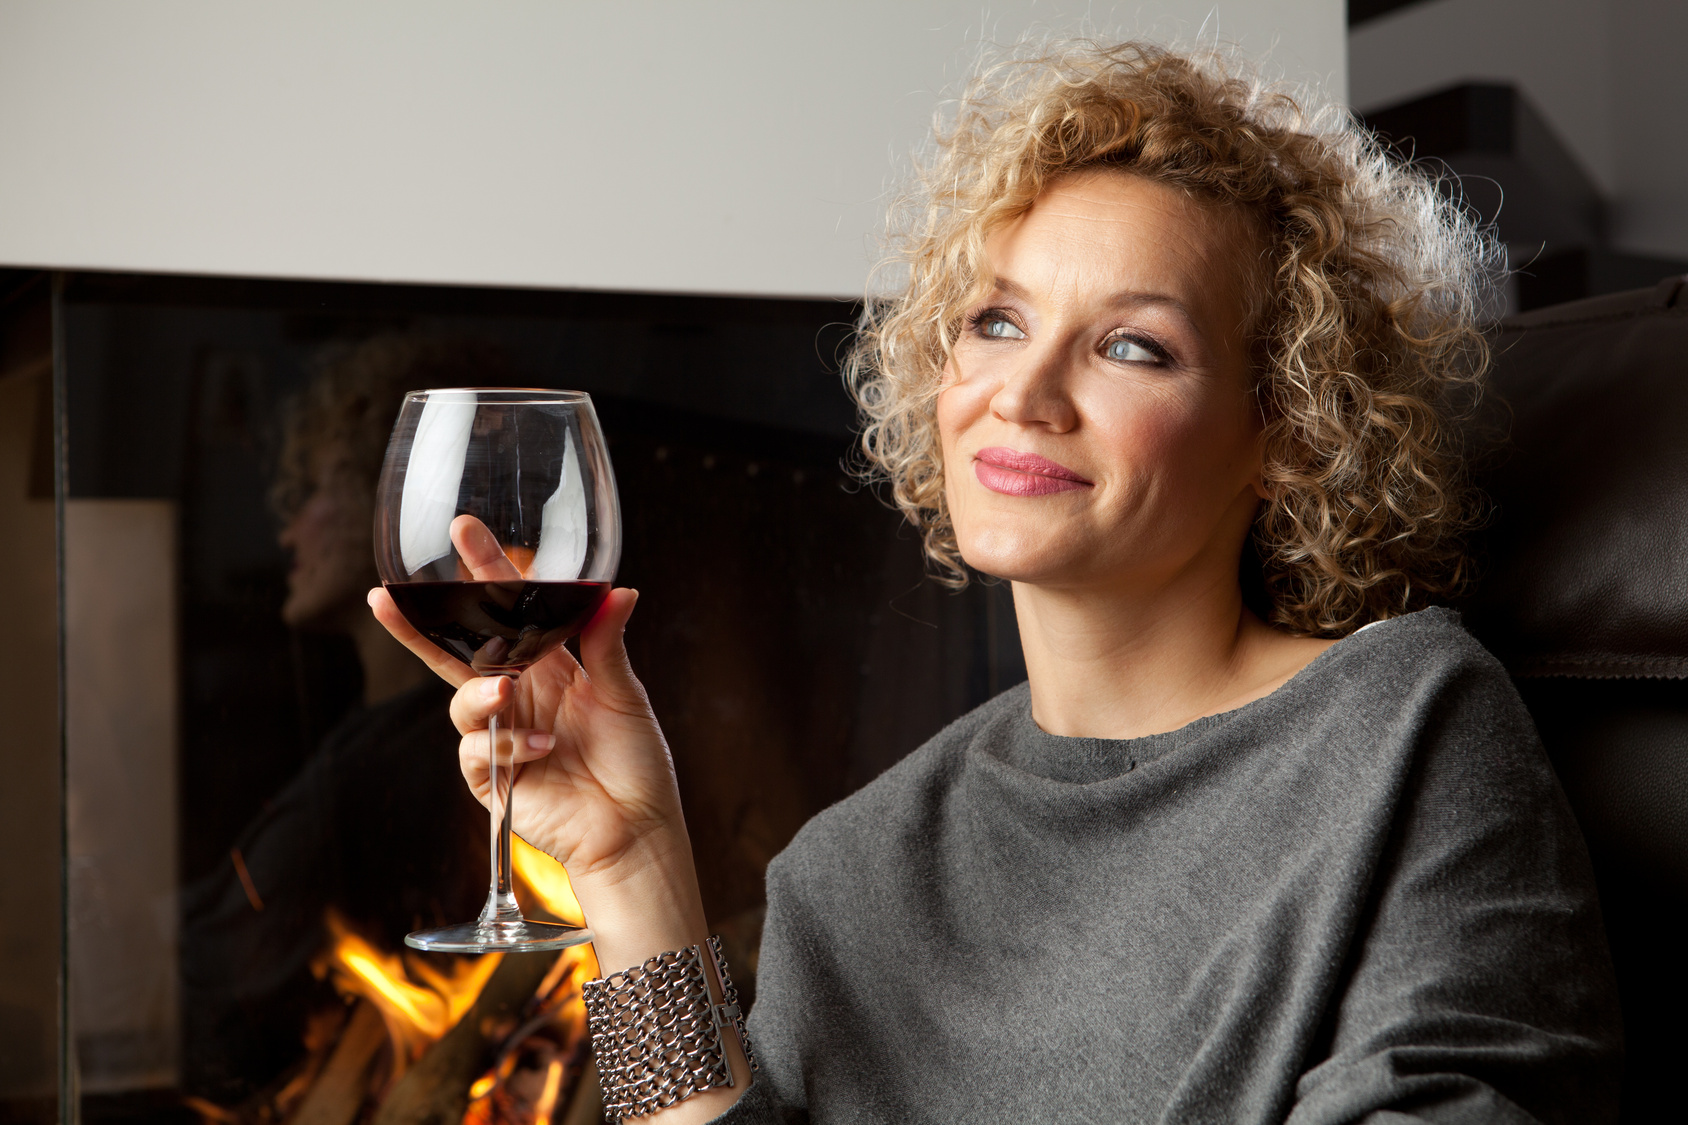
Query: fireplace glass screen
230,803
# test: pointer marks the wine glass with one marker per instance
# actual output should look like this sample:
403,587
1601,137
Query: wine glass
497,534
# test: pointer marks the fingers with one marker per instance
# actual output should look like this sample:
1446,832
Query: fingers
446,667
513,746
603,652
480,552
478,700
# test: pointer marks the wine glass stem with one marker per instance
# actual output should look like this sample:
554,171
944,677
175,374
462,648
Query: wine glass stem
501,905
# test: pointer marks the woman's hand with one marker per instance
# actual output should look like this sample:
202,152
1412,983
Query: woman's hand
596,783
596,787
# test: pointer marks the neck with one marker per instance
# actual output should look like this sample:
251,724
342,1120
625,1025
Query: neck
388,668
1121,664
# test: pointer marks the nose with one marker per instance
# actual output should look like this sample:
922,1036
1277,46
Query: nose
1035,389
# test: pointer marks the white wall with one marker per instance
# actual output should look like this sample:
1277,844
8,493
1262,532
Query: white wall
739,147
1607,75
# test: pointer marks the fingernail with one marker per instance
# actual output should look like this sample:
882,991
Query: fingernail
369,598
539,740
489,688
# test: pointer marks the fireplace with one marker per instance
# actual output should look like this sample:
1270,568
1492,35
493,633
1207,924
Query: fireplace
412,1038
171,818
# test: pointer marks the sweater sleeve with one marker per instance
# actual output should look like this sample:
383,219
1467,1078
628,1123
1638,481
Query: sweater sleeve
777,1096
1479,988
758,1107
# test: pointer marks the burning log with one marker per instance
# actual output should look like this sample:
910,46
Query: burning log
435,1091
338,1092
498,1039
490,1040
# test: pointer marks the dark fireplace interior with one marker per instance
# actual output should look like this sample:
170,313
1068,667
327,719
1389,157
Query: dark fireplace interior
248,844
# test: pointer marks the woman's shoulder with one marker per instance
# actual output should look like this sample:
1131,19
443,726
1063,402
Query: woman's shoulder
1406,690
1435,628
1409,653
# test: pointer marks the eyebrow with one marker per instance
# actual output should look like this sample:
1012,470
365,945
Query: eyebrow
1123,297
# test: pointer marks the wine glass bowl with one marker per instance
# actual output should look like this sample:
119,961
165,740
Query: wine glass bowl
497,535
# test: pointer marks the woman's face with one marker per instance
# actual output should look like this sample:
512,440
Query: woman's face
332,539
1096,417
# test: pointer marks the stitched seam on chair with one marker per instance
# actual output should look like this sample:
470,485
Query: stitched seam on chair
1608,666
1616,658
1673,312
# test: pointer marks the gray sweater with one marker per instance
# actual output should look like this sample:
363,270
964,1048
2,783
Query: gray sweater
1360,898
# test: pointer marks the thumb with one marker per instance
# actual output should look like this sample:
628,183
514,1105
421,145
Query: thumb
603,652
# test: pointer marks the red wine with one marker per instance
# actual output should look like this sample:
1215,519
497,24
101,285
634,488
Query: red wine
498,626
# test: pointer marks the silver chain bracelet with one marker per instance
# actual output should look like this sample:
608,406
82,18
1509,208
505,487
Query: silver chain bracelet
657,1036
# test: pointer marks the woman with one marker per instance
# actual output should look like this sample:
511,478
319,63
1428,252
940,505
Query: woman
1160,329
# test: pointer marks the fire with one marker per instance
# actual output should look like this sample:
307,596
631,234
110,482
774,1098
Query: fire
548,887
416,1014
548,1095
511,1090
546,879
540,1056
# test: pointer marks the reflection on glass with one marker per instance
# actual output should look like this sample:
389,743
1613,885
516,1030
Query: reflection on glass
373,833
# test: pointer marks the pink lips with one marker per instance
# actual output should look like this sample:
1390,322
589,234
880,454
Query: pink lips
1013,473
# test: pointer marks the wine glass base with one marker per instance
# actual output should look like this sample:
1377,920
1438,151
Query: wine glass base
519,936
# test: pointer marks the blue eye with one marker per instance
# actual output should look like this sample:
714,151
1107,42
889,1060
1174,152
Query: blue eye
1122,350
998,329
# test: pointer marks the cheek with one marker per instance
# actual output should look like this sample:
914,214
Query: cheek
1178,448
1146,432
949,431
963,399
949,416
1211,450
954,411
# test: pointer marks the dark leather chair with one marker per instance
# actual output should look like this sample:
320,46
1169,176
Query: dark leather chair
1583,593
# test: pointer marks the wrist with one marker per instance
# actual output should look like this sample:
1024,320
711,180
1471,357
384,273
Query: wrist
644,904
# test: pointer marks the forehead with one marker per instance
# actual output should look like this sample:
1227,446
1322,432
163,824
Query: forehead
1099,233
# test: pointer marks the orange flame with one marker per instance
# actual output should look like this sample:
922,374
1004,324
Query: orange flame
546,879
544,888
420,1003
416,1014
546,885
548,1096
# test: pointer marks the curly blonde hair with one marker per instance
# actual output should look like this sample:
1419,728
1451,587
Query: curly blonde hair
353,397
1364,329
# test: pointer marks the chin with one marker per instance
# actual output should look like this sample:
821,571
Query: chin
1016,558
